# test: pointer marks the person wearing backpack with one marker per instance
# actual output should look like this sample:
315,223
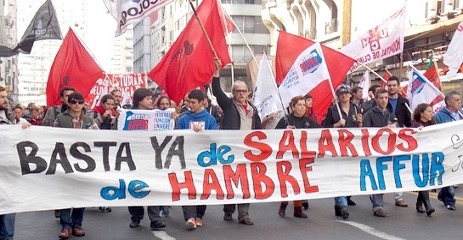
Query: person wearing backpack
52,112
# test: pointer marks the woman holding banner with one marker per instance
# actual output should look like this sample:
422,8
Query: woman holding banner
423,117
297,119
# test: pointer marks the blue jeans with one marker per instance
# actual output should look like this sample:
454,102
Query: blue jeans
377,200
447,194
72,220
340,201
7,226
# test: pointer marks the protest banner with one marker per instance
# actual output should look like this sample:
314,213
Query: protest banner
147,120
126,83
81,168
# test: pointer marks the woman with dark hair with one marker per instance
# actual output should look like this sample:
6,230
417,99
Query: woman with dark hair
297,119
422,117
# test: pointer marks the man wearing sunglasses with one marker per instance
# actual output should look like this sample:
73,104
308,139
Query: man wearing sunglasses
74,117
238,114
53,112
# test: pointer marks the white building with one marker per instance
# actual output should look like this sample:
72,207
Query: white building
8,38
122,53
142,46
246,14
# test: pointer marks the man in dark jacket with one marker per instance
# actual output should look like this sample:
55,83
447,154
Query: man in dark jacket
400,107
238,114
379,116
52,112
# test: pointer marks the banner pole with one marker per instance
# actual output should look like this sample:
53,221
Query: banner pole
375,73
203,29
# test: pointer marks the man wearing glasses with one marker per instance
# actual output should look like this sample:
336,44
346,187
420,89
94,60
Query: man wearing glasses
238,114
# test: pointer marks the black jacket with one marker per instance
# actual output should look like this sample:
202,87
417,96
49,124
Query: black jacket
402,113
332,117
231,116
376,118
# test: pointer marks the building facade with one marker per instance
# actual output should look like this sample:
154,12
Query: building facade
142,46
8,39
429,27
246,14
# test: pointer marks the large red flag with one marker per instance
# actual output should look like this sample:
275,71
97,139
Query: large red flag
74,67
289,47
189,63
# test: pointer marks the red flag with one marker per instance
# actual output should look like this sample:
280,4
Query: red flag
432,74
189,63
74,67
386,77
289,47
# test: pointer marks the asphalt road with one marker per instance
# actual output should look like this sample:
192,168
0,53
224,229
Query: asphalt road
402,223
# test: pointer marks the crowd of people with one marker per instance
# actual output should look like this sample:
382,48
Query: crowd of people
387,108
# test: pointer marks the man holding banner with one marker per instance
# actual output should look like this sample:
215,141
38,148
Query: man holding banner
238,114
451,112
142,99
197,119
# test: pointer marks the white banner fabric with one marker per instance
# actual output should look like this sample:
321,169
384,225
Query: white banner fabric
146,120
45,168
382,41
453,57
128,12
266,97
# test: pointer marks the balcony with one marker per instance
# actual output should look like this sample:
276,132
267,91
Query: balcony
311,34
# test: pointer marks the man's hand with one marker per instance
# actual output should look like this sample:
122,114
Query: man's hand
218,66
107,114
341,123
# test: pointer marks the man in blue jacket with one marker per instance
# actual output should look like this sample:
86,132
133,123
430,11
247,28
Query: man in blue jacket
451,112
197,119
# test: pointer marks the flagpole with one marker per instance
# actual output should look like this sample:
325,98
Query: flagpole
203,29
334,96
371,70
230,50
242,36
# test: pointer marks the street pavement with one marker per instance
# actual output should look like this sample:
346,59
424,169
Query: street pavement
401,223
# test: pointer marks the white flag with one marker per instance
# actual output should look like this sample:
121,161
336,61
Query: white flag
382,41
265,96
365,84
127,12
126,99
421,90
454,55
307,72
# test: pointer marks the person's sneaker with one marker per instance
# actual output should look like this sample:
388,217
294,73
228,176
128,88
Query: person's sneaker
227,217
247,221
199,222
344,213
156,225
379,213
78,232
451,207
65,233
190,224
134,224
105,209
401,203
305,204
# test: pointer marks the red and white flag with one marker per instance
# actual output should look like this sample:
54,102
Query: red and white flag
290,47
382,41
74,67
365,84
454,55
189,63
421,90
